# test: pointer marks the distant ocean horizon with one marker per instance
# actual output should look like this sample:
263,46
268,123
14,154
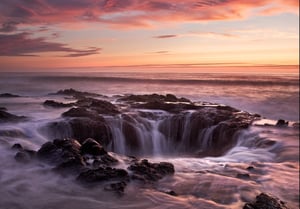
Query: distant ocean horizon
273,95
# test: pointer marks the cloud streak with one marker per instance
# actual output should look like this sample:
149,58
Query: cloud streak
22,45
132,13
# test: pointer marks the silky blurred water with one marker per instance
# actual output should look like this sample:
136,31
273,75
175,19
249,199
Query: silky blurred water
209,182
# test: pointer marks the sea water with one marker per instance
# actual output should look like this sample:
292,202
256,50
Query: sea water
208,182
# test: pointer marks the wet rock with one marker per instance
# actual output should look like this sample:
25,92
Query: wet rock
104,160
282,123
103,107
17,147
102,174
146,171
266,201
79,112
25,156
92,147
8,95
22,157
153,98
52,103
75,93
244,176
3,109
60,151
8,117
98,129
118,187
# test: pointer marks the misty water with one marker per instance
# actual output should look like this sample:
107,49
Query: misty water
207,182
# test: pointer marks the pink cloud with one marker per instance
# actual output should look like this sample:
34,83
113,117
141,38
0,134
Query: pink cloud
22,45
133,12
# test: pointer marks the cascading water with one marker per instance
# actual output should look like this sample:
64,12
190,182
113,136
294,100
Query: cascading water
161,134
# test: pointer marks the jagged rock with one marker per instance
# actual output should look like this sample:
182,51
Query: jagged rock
92,147
83,128
79,112
146,171
266,201
118,187
103,174
98,106
60,151
282,123
8,117
153,98
75,93
55,104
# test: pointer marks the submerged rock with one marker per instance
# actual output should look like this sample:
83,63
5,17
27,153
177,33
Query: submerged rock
146,171
103,174
92,147
9,95
75,93
153,98
52,103
282,123
8,117
266,201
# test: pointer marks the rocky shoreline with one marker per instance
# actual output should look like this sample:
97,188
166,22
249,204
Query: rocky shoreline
87,152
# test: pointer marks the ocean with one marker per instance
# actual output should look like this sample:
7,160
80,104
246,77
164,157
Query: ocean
201,182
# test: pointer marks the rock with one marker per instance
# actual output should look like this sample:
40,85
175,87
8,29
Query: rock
22,157
55,104
245,176
92,147
25,156
282,123
103,174
75,93
17,147
8,117
3,109
146,171
103,107
79,112
266,201
97,128
153,98
60,151
8,95
118,187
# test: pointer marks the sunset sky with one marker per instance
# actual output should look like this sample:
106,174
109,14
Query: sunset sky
99,34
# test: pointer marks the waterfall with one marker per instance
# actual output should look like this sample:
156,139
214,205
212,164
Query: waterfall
184,133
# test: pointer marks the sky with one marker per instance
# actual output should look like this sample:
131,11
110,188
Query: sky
74,35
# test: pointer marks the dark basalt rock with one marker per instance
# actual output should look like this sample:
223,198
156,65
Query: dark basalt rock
92,147
75,93
98,106
60,151
25,156
79,112
103,174
153,98
266,201
8,95
170,107
282,123
52,103
3,109
97,129
118,187
8,117
146,171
